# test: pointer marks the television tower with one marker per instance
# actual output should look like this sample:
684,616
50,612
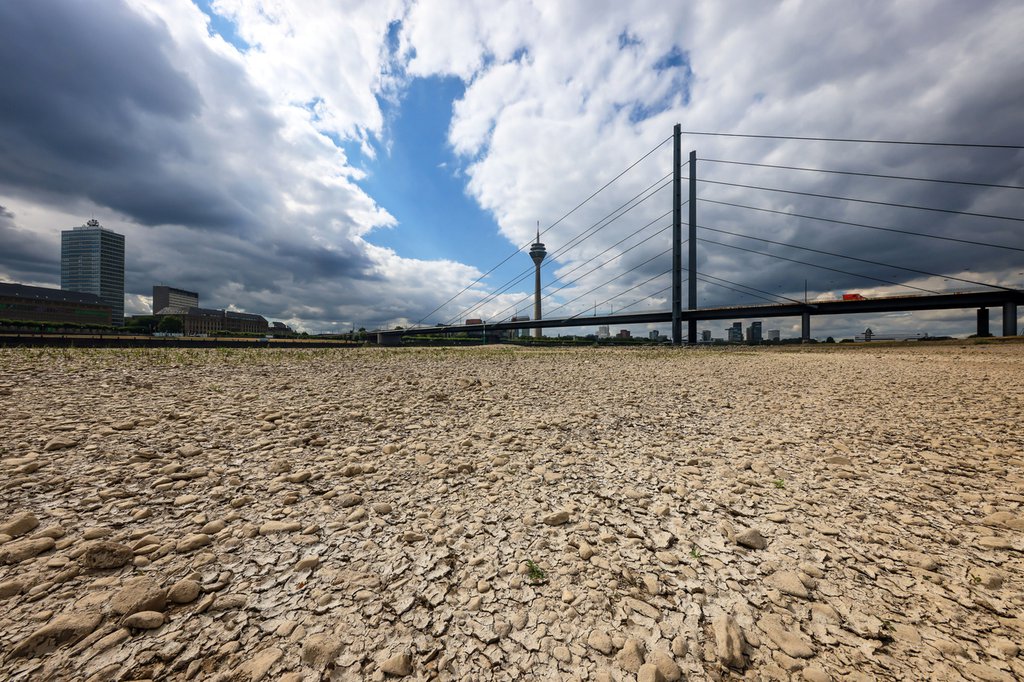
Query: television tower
537,253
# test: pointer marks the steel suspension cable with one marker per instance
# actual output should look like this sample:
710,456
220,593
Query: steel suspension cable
813,265
605,283
849,139
869,227
860,201
607,220
863,260
865,175
589,260
626,291
570,212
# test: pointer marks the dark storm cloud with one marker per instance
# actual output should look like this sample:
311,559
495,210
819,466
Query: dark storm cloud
311,263
27,257
91,106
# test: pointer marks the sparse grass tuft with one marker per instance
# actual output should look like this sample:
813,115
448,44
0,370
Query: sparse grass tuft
535,575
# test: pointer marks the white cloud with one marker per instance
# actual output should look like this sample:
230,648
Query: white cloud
543,128
246,190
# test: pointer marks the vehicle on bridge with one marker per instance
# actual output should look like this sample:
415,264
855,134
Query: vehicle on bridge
853,297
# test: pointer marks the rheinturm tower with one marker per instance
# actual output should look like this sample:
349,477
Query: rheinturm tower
537,253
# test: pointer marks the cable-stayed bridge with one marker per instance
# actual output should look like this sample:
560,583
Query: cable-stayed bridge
911,285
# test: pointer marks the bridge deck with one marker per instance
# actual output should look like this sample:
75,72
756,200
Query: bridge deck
950,301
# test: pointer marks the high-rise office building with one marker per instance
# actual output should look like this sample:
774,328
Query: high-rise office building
754,332
92,262
735,332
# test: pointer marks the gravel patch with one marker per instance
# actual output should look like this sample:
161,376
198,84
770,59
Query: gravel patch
505,514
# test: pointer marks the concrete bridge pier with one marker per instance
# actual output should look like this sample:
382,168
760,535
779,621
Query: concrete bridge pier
1009,319
983,322
805,327
386,339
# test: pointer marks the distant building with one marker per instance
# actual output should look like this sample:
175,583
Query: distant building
624,334
754,332
734,334
205,320
705,335
92,262
773,335
165,296
868,334
603,333
280,328
653,335
520,333
41,304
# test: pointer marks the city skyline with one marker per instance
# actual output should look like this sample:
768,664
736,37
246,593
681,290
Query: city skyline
344,169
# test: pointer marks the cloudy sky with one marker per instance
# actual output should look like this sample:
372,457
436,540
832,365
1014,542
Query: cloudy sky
337,164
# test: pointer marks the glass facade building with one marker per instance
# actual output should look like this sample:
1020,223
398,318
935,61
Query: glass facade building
92,262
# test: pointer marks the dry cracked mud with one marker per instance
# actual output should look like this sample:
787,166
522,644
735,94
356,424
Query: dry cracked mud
503,514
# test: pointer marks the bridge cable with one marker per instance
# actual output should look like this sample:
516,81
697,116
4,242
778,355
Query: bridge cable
610,218
777,297
573,210
813,265
616,257
626,291
861,201
863,260
866,175
846,139
869,227
621,274
500,313
706,281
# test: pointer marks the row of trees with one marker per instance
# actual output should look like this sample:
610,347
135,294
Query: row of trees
148,324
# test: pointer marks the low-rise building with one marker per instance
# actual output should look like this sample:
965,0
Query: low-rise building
206,320
19,302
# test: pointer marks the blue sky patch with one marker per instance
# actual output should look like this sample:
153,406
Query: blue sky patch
420,182
222,26
672,59
628,40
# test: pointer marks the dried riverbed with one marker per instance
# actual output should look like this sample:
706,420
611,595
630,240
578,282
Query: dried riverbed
479,514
